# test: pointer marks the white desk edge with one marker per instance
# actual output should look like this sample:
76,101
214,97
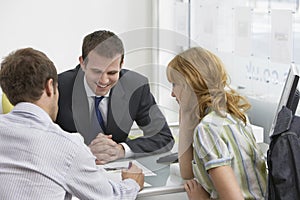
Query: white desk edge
161,190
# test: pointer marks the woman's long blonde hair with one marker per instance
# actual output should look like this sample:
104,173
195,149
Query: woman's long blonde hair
204,73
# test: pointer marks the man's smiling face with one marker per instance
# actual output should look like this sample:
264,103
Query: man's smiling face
101,73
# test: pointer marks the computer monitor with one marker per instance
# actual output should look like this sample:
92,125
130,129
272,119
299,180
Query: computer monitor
289,96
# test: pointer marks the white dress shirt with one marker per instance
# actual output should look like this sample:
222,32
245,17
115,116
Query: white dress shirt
103,107
38,160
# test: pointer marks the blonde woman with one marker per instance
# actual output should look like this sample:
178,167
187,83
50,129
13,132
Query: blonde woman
218,155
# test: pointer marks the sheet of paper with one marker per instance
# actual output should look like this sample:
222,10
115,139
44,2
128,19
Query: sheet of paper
243,31
115,175
119,165
281,40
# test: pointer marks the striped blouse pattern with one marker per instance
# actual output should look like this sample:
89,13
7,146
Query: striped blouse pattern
222,141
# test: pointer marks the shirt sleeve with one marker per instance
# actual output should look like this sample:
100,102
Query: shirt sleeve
211,147
128,152
86,180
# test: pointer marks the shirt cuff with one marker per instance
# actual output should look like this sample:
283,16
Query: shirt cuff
128,152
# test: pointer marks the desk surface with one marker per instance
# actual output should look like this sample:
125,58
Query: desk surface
162,183
167,183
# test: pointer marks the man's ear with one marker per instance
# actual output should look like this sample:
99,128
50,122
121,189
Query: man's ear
49,87
121,64
81,61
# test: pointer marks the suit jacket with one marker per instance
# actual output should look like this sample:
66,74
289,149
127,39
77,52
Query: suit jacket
130,100
283,158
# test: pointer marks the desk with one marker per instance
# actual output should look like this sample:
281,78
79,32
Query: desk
166,180
164,185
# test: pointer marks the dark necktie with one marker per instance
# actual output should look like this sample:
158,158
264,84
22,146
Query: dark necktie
98,113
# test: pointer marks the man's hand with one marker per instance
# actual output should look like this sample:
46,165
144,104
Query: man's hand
105,149
134,173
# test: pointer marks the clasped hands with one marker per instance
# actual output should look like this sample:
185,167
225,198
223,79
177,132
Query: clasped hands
105,149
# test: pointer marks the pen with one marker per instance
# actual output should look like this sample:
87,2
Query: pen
130,164
114,168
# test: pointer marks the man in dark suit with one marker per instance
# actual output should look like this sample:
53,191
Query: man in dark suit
124,97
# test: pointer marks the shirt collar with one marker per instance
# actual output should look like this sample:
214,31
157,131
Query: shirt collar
26,107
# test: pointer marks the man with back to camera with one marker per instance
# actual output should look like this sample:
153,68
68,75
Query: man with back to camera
124,96
38,160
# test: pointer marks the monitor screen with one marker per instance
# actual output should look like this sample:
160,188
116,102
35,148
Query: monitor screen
288,94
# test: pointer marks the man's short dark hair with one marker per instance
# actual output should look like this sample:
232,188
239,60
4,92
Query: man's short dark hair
105,43
24,74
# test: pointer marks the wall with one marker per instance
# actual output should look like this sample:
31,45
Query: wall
57,27
243,33
256,39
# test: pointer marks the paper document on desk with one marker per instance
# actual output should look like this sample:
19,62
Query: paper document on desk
116,177
119,165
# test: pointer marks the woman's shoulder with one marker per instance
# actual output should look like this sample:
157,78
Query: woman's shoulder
214,119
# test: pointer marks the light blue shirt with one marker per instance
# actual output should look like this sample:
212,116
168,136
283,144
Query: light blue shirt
38,160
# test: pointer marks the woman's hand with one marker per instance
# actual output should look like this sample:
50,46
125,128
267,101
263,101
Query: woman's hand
195,191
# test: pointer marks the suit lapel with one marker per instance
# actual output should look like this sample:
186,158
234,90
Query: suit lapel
80,107
119,118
